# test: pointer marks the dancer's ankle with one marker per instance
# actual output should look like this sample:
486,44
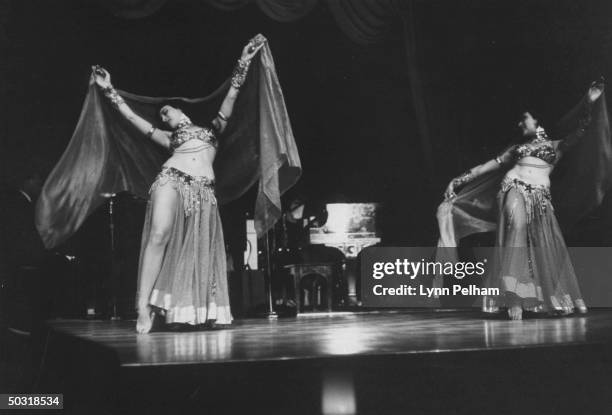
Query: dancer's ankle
143,307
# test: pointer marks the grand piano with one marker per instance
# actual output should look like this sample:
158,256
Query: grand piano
350,227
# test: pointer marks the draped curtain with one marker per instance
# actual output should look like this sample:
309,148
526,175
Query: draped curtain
365,22
132,9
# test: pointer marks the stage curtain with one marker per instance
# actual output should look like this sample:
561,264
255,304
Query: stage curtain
228,5
286,10
132,9
417,90
364,21
279,10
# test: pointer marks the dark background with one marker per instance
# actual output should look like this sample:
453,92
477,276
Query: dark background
481,63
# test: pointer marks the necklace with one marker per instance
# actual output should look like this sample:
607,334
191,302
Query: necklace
541,136
184,122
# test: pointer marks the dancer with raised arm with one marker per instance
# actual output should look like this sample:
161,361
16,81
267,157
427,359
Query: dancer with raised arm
241,135
531,265
182,265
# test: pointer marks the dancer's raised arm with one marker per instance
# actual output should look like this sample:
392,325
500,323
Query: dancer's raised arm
479,170
593,94
238,78
103,79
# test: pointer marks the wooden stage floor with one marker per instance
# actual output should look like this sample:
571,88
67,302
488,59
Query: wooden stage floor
338,334
389,362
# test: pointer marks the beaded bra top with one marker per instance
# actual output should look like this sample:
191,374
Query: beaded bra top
540,147
185,131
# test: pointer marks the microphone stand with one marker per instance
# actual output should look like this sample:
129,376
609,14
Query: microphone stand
114,315
270,313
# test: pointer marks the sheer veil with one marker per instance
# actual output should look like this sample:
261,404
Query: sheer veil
579,182
107,155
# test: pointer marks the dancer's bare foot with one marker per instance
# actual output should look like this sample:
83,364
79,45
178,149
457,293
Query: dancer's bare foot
145,319
515,313
581,307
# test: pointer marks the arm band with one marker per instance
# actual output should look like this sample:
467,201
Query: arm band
240,72
463,179
151,132
113,96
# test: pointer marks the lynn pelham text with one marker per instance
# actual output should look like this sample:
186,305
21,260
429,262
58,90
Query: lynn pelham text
433,292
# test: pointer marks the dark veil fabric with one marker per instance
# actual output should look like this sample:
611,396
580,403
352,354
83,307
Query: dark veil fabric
579,182
584,175
107,155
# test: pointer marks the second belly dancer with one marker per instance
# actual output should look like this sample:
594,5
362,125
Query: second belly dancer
531,266
182,271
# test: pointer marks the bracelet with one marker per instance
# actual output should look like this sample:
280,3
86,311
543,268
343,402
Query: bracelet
463,179
240,72
113,96
151,131
222,116
498,160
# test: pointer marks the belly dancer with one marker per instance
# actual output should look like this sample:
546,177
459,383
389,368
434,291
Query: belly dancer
531,266
182,271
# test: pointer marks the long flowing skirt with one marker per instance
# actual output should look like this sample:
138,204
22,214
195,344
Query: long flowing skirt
191,286
531,264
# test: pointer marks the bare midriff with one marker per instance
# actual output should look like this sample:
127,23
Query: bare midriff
531,170
196,162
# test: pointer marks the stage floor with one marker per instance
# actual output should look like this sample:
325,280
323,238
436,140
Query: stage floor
385,362
338,334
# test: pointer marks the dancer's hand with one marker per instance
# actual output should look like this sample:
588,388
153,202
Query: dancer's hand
450,194
596,90
252,47
101,76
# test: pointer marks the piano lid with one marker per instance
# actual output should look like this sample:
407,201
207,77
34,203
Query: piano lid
349,218
350,227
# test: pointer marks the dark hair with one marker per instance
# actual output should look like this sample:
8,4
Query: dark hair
171,106
163,110
536,116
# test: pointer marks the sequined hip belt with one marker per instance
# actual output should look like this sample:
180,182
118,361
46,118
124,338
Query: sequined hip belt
176,174
510,181
193,189
537,196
